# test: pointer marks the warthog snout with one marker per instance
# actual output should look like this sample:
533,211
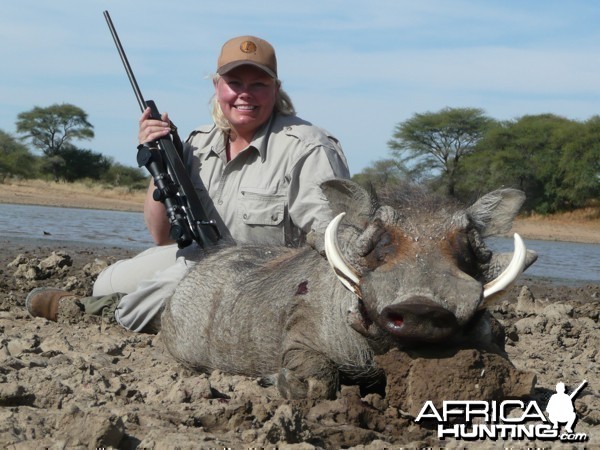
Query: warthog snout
418,319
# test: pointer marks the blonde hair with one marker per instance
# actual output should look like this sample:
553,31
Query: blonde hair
283,105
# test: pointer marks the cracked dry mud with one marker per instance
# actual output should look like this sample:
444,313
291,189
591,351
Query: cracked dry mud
83,383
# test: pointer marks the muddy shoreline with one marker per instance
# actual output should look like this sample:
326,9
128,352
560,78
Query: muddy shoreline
83,383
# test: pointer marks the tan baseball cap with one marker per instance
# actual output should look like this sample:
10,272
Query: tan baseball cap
247,50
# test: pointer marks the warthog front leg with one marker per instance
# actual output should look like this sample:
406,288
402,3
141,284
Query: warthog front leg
306,373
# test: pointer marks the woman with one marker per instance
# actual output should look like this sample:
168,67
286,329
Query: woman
256,169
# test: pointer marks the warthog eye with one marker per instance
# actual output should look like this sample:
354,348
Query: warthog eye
384,247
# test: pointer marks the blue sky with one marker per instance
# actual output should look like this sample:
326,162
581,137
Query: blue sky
354,68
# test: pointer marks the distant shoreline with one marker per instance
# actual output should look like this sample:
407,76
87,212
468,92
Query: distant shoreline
584,232
580,226
71,195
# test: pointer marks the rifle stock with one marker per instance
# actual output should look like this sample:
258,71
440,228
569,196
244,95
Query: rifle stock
189,222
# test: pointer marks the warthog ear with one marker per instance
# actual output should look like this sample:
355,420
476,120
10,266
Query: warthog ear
495,212
346,196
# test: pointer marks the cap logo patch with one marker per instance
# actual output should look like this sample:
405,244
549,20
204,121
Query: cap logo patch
248,47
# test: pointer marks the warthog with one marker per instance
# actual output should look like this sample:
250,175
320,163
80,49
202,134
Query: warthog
392,277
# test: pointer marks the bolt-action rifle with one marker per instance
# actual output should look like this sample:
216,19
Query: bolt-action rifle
163,159
576,391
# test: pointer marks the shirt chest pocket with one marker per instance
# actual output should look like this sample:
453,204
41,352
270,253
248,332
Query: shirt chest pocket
256,207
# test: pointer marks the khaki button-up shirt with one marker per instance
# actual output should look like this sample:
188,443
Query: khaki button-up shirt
270,192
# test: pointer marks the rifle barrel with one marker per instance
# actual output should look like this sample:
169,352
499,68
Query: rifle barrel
132,80
184,209
576,391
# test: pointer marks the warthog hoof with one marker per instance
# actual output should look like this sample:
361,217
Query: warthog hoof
292,387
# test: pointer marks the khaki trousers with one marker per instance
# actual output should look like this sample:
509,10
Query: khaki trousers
134,290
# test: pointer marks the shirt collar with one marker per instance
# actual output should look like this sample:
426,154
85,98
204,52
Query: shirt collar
259,142
217,148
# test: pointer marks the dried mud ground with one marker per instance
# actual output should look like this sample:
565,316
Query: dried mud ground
83,383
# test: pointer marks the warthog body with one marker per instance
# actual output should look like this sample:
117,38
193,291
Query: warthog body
416,274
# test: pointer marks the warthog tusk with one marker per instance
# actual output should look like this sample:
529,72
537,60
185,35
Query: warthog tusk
512,271
344,273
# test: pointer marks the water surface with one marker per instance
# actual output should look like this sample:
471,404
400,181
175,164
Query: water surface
567,262
111,228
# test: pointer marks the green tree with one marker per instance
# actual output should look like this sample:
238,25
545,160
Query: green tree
82,163
498,162
525,154
54,165
382,175
120,175
15,158
49,129
436,143
580,166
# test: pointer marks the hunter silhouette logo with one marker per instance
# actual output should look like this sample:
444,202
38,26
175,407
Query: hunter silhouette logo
509,419
560,407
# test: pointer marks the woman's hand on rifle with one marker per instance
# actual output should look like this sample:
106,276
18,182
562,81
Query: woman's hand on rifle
152,129
154,212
